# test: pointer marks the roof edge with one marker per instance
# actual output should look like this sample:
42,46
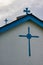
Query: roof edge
22,20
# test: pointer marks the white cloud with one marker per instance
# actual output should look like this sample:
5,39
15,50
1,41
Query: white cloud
37,3
5,2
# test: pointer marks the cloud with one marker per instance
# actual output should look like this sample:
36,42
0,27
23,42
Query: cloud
37,3
5,2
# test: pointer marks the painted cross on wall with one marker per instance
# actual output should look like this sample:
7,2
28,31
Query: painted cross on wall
29,36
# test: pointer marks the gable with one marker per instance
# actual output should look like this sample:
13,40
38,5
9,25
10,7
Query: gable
22,20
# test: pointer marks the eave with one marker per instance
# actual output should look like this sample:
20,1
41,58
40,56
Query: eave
22,20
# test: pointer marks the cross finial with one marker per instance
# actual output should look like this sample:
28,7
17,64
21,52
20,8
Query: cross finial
6,20
27,11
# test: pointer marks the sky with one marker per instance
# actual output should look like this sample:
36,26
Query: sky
11,9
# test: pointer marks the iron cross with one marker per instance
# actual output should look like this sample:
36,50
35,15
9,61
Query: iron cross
27,11
29,36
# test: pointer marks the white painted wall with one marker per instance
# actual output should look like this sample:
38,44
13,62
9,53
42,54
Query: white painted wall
14,50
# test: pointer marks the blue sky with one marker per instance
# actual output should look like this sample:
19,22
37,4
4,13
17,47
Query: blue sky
10,9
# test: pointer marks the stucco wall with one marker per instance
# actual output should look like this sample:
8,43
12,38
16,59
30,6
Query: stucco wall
14,50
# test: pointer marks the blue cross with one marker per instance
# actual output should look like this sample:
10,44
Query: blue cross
27,11
6,20
29,36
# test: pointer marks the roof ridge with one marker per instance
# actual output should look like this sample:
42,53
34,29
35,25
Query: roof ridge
21,20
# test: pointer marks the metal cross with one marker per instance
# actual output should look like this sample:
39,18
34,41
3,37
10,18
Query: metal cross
6,20
29,36
27,11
